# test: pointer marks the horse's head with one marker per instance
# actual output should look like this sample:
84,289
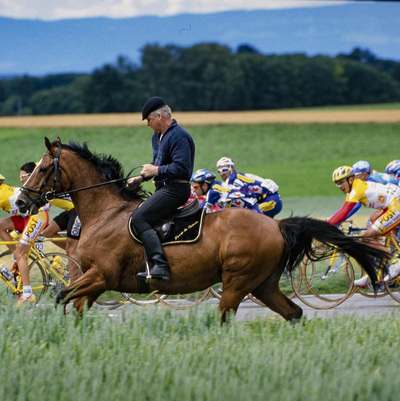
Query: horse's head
44,182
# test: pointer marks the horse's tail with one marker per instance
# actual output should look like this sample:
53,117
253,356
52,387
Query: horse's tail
299,233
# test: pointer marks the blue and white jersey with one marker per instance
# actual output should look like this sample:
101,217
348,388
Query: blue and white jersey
265,191
222,196
262,187
383,178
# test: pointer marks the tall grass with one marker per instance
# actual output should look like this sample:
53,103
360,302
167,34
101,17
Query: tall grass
156,354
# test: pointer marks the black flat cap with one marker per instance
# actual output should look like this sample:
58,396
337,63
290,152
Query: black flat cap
152,104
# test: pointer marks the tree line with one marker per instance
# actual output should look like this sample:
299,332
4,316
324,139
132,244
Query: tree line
208,77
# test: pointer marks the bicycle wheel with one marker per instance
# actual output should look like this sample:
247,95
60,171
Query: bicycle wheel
185,301
393,286
326,283
111,300
58,266
145,299
368,291
216,291
37,276
286,283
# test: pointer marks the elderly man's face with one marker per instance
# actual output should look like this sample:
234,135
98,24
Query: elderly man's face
154,122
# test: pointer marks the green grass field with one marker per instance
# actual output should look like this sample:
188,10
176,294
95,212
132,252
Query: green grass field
300,158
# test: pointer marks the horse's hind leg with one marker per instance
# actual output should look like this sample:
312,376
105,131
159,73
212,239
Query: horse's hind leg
270,294
230,301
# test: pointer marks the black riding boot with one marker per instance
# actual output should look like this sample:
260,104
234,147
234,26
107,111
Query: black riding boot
155,254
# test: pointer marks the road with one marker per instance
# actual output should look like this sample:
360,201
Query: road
356,305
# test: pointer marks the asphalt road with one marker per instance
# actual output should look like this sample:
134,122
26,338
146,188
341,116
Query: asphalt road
357,305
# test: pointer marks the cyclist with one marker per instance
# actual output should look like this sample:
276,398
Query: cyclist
362,170
393,168
30,226
373,195
219,195
268,197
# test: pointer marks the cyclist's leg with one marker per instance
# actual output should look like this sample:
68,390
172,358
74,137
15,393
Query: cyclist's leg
71,245
6,225
59,223
34,227
272,206
387,222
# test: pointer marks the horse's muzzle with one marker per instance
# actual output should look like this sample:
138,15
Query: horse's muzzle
22,205
25,206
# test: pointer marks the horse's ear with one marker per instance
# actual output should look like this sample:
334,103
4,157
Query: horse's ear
47,143
59,141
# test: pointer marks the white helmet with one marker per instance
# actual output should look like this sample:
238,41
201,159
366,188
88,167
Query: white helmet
225,161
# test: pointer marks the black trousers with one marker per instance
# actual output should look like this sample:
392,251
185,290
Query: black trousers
162,204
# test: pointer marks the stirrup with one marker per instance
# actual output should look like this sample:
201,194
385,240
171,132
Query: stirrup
163,274
146,276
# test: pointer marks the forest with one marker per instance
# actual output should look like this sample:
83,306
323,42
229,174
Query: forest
208,77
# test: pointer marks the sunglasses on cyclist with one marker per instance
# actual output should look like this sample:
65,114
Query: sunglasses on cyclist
340,182
24,175
224,170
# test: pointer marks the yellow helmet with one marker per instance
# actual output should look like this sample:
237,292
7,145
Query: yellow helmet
341,173
2,177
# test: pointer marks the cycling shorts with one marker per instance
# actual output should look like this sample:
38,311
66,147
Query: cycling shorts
272,205
69,220
31,226
389,220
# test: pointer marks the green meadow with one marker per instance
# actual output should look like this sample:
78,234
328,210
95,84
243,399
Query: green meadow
300,158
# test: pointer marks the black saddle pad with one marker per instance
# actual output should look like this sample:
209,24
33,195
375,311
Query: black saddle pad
182,230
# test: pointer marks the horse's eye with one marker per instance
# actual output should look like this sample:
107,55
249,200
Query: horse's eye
42,169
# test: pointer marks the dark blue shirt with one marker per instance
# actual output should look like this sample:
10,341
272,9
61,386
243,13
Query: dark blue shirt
174,154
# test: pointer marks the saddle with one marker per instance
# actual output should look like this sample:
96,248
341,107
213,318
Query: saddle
182,228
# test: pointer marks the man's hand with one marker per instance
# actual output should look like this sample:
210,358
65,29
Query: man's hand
134,181
149,170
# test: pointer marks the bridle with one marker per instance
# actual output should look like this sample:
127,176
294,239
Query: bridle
52,194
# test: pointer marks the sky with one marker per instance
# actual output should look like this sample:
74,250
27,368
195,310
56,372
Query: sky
55,9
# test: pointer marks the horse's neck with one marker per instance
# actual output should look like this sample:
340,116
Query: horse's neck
98,203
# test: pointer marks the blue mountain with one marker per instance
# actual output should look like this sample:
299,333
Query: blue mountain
38,47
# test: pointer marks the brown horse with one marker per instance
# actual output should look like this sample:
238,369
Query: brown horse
244,250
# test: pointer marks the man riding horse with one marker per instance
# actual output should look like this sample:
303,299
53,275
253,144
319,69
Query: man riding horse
171,169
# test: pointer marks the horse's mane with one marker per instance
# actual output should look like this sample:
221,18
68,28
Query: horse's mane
108,169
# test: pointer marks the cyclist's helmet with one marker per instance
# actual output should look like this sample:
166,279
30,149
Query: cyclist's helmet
225,161
360,167
203,175
393,167
341,173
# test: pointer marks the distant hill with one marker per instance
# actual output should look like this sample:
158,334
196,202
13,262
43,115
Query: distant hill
81,45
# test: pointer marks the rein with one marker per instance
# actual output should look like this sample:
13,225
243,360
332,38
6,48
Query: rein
51,195
65,193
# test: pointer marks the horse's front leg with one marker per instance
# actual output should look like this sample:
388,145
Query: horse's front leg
87,288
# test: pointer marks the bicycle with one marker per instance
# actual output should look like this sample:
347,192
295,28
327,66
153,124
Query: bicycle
391,287
318,282
327,283
47,270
